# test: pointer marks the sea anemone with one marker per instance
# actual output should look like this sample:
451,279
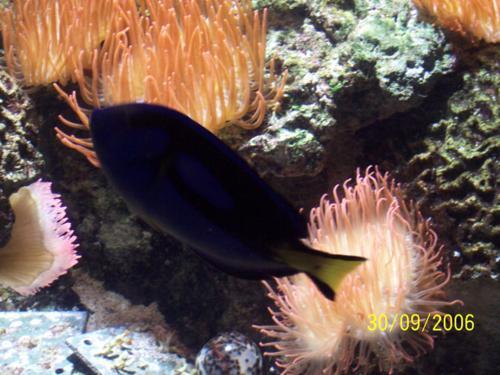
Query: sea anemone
45,40
479,19
313,335
42,245
204,58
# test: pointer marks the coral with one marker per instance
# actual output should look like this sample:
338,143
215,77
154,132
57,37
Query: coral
42,245
479,19
46,40
402,276
204,58
453,170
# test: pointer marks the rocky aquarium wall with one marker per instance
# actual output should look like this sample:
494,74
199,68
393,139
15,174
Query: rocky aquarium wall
310,93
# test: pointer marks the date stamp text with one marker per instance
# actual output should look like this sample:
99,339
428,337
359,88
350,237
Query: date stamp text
421,323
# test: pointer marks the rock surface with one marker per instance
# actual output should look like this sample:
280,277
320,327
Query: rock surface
448,159
20,157
457,174
350,63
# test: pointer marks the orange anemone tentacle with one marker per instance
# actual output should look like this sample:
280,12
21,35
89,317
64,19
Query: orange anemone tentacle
478,19
204,58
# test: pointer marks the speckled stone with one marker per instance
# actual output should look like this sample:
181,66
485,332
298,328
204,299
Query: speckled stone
230,353
32,343
121,351
20,159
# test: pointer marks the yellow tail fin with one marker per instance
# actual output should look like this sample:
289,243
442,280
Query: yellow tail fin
325,270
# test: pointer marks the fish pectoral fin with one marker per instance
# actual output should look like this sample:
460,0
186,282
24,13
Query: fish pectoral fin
326,270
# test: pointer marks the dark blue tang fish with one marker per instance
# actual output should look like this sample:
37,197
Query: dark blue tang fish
183,180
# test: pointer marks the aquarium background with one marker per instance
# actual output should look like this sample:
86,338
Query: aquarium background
370,82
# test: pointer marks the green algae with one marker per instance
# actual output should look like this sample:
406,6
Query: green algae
350,64
463,151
